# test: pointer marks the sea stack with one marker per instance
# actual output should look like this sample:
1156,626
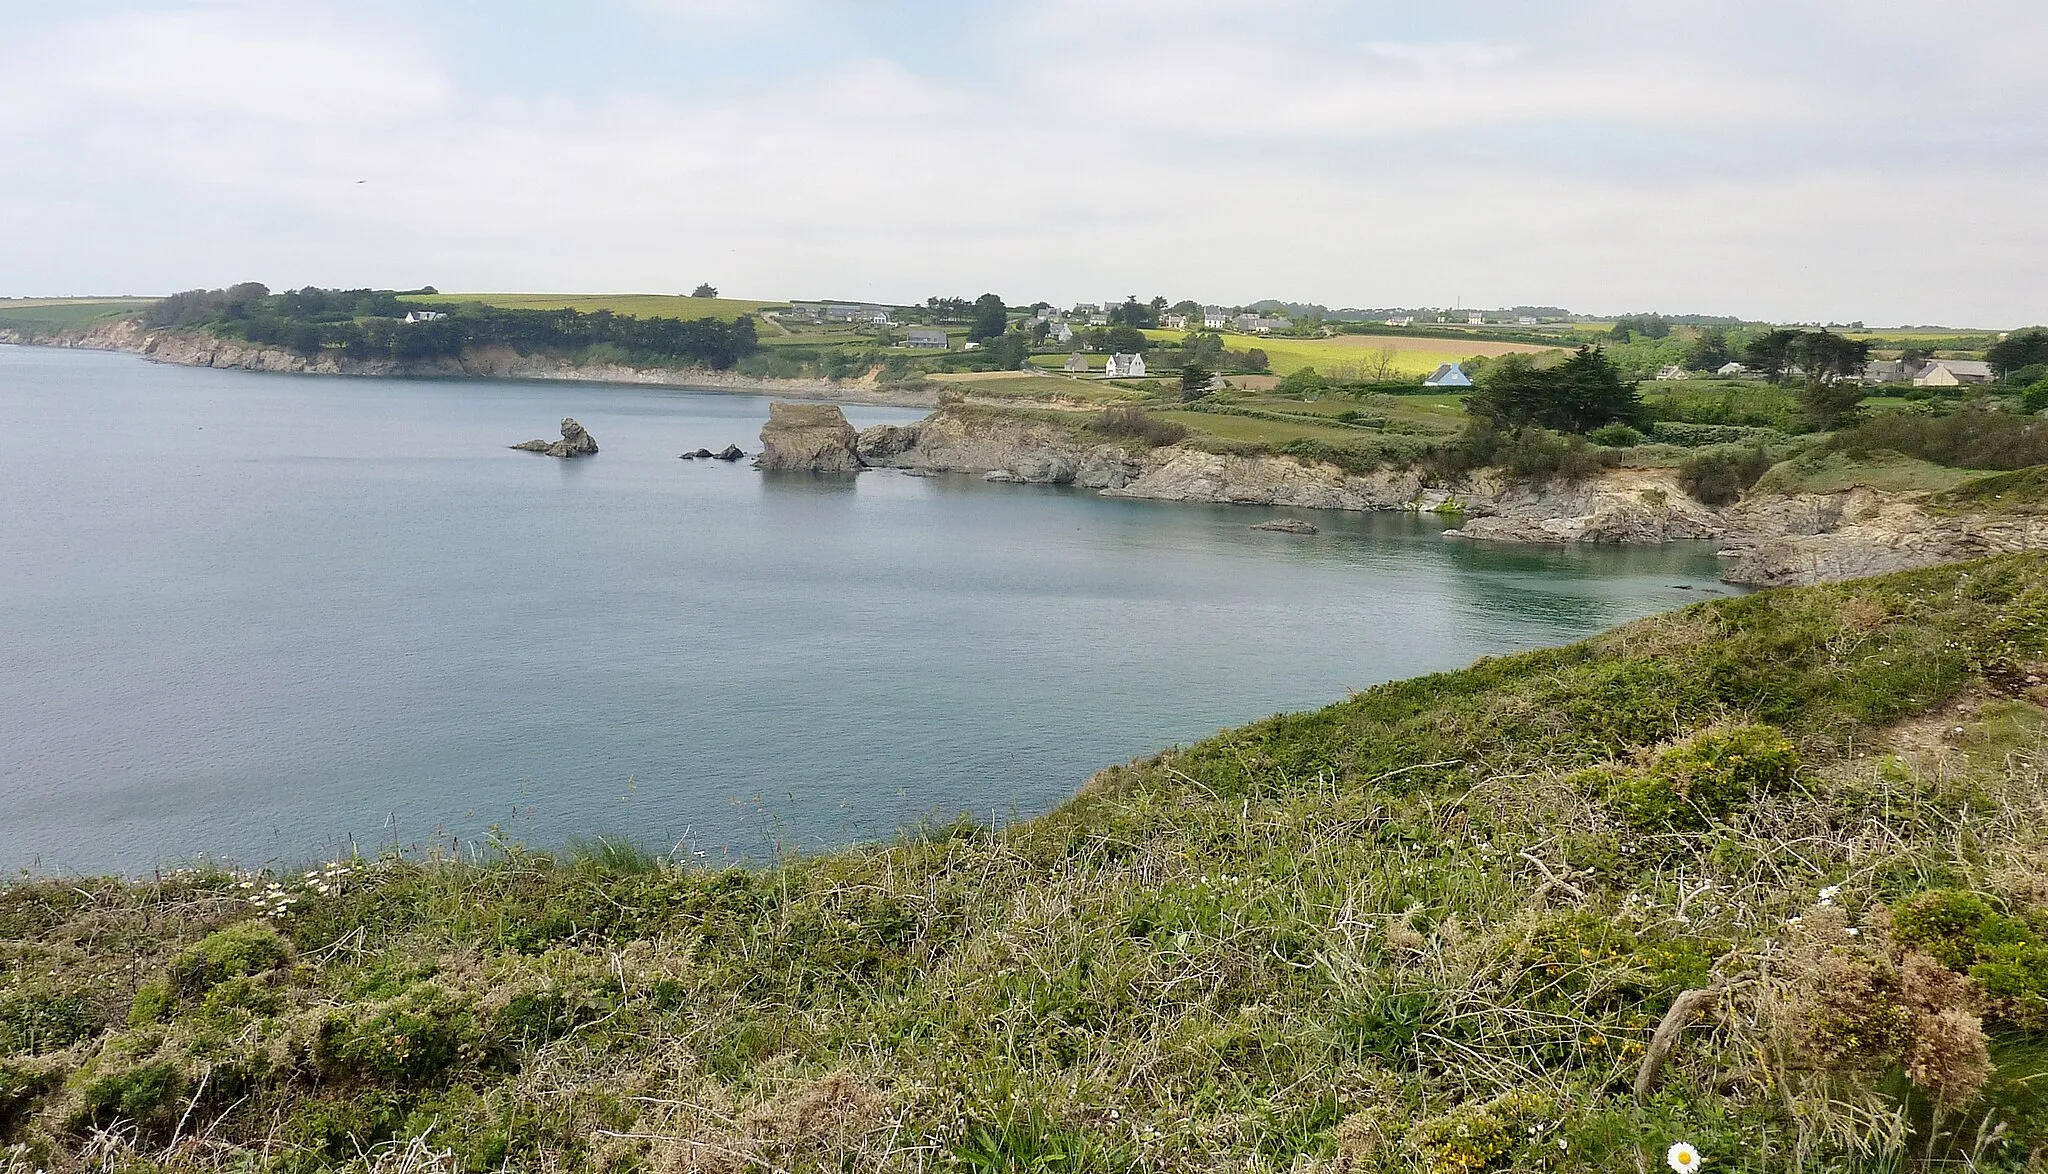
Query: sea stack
575,442
808,438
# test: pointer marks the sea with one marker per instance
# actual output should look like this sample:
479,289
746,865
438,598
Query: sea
270,619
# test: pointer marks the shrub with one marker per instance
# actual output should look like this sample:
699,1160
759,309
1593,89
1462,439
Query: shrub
1483,1137
1129,423
1302,384
247,948
33,1021
1720,475
1705,780
1963,932
2035,398
1973,437
146,1095
1616,435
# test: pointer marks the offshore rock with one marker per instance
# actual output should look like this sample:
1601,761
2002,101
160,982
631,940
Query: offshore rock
1288,526
878,444
730,452
808,438
575,442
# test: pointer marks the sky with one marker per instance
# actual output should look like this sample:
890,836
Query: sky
1793,160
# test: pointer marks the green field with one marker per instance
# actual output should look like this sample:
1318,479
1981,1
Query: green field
1412,356
56,313
636,305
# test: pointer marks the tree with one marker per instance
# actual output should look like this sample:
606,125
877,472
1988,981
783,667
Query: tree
1191,309
1302,384
1578,395
990,319
1709,351
1008,351
2021,348
1202,346
1642,326
1194,382
1124,340
1770,354
1134,314
705,290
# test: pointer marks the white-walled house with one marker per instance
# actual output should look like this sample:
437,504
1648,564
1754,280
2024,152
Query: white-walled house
1215,318
1952,373
1672,371
1448,375
1476,318
1077,362
1175,322
1403,320
1060,332
922,336
417,316
1125,366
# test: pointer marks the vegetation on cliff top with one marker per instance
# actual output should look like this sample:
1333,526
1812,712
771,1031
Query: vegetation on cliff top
1433,926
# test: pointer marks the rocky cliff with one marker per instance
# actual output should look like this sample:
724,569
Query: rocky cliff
1002,447
1825,538
808,438
194,348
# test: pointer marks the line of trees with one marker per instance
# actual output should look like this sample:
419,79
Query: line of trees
369,324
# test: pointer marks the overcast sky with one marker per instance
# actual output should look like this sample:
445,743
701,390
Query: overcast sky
1789,159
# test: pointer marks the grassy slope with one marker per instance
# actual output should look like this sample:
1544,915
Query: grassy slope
1413,356
637,305
1397,933
58,313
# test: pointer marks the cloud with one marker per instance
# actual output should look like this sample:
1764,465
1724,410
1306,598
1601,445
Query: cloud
1792,159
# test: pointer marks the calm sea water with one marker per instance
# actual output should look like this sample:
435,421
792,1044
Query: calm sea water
253,616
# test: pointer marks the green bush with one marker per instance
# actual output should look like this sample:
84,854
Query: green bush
153,1001
1705,780
35,1020
1720,475
1975,437
1615,435
1943,924
2035,398
1964,932
243,949
1131,423
413,1039
147,1096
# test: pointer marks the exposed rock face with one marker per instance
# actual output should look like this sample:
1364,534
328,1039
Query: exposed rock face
575,442
1620,506
1181,474
1003,448
808,438
1288,526
730,452
1825,538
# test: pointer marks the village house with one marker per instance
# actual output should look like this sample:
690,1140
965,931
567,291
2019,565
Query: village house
1404,320
1077,362
1060,332
1125,366
1525,320
1886,371
1448,375
1672,371
1175,321
418,316
1215,318
1732,371
1254,324
922,336
1475,318
1952,373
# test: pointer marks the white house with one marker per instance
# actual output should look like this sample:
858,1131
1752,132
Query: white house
1175,321
417,316
1077,362
1060,332
1952,373
1525,320
1404,320
923,336
1476,318
1448,375
1125,366
1732,371
1215,318
1671,371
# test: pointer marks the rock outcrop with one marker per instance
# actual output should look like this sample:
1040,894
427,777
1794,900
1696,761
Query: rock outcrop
807,438
1001,447
1619,507
1825,538
575,442
1186,474
1288,526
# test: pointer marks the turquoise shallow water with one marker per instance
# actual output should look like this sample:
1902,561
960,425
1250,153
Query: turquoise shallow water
253,616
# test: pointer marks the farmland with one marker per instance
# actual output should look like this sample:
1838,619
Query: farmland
57,313
636,305
1411,356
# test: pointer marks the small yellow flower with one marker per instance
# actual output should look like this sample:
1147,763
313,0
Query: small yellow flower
1682,1157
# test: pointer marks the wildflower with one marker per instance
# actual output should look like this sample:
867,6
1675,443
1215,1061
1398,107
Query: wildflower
1794,920
1682,1157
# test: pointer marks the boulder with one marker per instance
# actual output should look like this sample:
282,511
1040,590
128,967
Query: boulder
575,442
730,452
808,438
1288,526
876,445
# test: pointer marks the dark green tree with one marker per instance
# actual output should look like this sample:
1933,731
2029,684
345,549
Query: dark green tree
1194,381
706,290
1709,351
990,319
1124,340
1135,314
1578,395
2021,348
1008,351
1770,354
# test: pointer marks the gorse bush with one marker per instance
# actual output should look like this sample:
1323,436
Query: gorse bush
1973,437
1721,475
1704,780
1131,423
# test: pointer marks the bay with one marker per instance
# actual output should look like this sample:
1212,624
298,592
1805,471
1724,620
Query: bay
263,617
